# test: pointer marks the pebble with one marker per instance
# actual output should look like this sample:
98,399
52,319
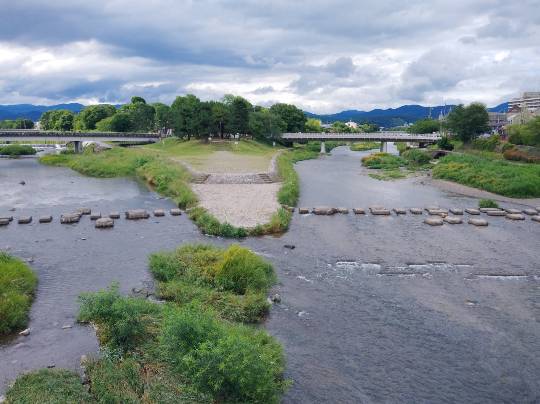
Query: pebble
25,332
359,211
303,211
25,220
453,220
276,298
434,221
22,182
515,216
478,222
51,365
175,212
416,211
66,327
45,219
472,211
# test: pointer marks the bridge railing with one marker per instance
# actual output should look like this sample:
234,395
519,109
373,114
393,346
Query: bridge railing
51,133
362,136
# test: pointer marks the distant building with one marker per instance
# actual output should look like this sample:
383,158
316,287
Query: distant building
529,100
522,116
497,120
352,125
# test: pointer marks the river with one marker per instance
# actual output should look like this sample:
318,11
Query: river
374,309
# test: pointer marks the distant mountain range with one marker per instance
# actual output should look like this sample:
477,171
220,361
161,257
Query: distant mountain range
394,116
382,117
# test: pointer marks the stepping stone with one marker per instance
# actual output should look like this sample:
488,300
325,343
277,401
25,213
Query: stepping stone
536,218
478,222
400,211
416,211
136,214
485,210
159,213
303,211
114,215
472,211
530,212
359,211
438,212
69,218
496,213
25,219
8,218
434,221
453,220
45,219
95,216
380,212
175,212
84,211
512,211
456,211
104,223
344,211
515,216
4,221
323,210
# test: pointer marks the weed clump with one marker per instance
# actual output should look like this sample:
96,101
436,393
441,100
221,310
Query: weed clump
487,203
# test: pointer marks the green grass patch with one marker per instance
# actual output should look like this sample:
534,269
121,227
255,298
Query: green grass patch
389,175
364,146
416,157
17,287
189,148
497,176
290,189
17,150
487,203
384,161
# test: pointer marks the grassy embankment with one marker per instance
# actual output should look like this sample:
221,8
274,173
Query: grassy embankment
194,348
396,167
17,286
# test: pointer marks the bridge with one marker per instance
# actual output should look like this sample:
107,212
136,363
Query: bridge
383,137
33,135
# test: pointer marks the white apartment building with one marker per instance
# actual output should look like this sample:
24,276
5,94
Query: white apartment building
529,100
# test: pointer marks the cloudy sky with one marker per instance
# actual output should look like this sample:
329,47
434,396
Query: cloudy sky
322,55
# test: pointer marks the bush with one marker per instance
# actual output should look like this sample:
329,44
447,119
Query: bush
17,150
363,146
122,321
383,161
48,386
527,154
17,285
416,157
487,144
232,363
487,203
445,144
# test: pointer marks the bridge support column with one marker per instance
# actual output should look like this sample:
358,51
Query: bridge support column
323,148
422,145
383,147
77,145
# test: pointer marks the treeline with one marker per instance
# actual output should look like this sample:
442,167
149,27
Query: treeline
17,124
527,134
315,125
187,116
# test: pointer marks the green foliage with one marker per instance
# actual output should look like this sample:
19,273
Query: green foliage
383,161
238,117
19,123
231,363
423,126
211,226
468,122
527,134
139,114
487,144
388,175
293,117
185,116
92,114
61,120
528,154
264,124
313,125
498,176
363,146
17,285
122,321
416,157
48,386
17,150
162,117
444,143
487,203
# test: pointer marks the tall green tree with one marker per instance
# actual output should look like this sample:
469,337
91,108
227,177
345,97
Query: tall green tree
313,125
92,114
19,123
162,117
186,116
220,117
140,113
60,119
467,123
291,115
264,124
119,122
424,126
239,109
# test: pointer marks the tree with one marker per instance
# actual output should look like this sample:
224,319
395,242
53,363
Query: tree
220,117
424,126
60,119
527,134
239,109
313,125
119,122
469,122
291,115
140,113
162,116
92,114
19,123
264,124
185,114
340,127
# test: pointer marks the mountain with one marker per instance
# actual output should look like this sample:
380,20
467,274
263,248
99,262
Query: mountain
33,112
393,116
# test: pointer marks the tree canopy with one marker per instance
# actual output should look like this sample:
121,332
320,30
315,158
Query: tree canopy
60,119
294,118
423,126
467,123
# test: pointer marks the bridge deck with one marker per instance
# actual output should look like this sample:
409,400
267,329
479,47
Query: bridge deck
12,135
375,136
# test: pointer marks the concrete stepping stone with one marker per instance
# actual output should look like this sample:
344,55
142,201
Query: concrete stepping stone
104,223
416,211
515,216
512,211
400,211
434,221
478,222
472,211
159,212
323,210
496,213
344,211
70,218
175,212
84,211
530,212
359,211
380,212
24,220
453,220
45,219
456,211
486,210
438,212
136,214
114,215
95,216
303,211
4,221
536,218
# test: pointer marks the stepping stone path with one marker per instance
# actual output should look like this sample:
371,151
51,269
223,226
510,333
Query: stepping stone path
344,211
25,219
453,220
323,210
416,211
400,211
379,211
359,211
175,212
434,221
114,215
303,211
437,212
486,210
515,216
472,211
496,213
512,211
456,211
104,223
536,218
84,211
159,213
45,219
4,221
95,216
530,212
69,218
136,214
478,222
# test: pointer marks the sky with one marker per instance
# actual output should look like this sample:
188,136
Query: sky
321,55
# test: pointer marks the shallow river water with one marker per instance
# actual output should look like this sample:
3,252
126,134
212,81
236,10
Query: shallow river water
374,309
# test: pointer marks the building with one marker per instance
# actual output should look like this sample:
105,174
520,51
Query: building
352,125
497,120
529,100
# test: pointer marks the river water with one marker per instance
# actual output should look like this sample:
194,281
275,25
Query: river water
374,309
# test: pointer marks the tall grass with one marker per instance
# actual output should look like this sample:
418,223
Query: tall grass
17,150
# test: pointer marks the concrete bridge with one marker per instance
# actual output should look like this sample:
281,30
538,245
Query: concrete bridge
383,137
33,135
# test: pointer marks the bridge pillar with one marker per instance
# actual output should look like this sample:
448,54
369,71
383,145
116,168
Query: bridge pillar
383,147
323,148
77,145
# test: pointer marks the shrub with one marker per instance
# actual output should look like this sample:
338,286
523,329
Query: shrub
17,285
363,146
523,153
122,321
487,144
17,150
48,386
382,161
487,203
444,143
416,157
